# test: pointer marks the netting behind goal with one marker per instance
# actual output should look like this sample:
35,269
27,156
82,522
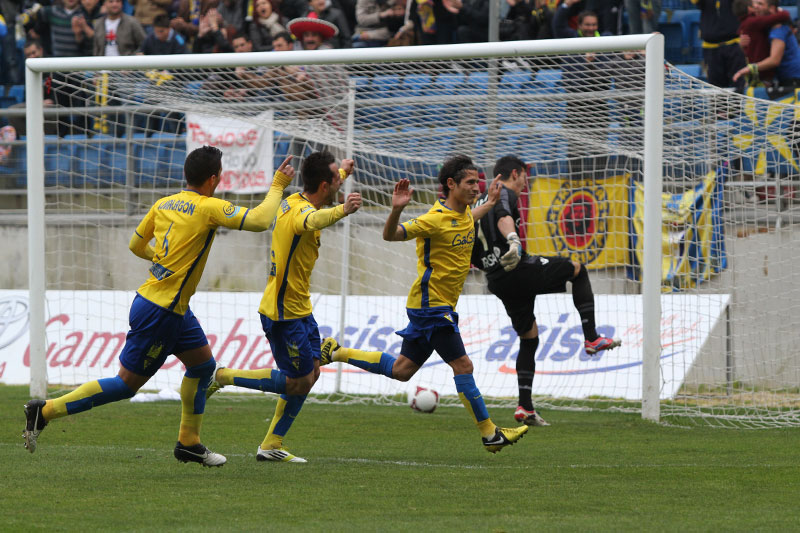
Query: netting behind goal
729,326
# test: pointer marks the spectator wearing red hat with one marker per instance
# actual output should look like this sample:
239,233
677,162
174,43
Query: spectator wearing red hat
312,32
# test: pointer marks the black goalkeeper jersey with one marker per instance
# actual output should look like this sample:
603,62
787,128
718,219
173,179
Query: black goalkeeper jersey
490,245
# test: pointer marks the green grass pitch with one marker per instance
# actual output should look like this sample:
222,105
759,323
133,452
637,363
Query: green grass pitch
377,468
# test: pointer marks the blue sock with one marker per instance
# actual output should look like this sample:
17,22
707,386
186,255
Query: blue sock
204,372
110,390
373,362
290,412
273,381
471,397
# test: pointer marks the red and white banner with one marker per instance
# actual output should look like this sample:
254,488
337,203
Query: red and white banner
86,332
247,149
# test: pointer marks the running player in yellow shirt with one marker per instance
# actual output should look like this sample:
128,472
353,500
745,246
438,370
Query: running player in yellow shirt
285,309
445,235
183,226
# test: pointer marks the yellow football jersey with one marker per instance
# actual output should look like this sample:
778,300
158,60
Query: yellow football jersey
444,247
292,257
183,226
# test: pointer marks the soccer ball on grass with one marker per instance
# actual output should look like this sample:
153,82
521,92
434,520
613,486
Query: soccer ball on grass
424,400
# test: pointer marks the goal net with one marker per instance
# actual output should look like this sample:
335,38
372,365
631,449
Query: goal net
725,331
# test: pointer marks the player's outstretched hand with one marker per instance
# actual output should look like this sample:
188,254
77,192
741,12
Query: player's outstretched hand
286,167
402,193
494,190
353,203
347,166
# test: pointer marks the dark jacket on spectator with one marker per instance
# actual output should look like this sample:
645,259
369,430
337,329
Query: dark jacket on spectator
62,39
335,16
561,28
154,47
524,21
130,36
718,24
213,41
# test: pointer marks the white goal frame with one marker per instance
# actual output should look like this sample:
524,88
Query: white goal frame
653,44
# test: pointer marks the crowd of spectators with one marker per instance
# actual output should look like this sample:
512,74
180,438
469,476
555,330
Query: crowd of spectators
79,27
743,40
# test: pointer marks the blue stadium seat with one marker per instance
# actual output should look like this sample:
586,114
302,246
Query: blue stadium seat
674,45
17,92
171,155
115,157
57,161
442,114
384,86
548,80
87,163
693,70
193,87
792,10
280,149
412,86
695,43
7,101
145,155
514,83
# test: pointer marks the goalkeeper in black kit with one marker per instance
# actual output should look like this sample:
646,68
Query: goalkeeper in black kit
517,278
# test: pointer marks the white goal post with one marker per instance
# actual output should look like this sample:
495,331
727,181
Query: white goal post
489,53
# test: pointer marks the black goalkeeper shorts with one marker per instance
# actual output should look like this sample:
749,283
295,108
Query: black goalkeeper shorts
518,288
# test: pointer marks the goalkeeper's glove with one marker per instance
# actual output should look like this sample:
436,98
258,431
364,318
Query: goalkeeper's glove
511,258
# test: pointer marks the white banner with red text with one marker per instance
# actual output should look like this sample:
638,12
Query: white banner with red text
86,332
247,149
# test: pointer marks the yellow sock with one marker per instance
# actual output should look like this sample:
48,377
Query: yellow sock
57,407
273,441
343,355
189,433
486,427
225,376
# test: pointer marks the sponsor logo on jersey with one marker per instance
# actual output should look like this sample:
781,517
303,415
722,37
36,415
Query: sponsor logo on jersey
160,272
464,240
577,221
284,206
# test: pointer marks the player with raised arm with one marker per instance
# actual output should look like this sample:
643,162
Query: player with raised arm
286,313
161,322
444,235
516,278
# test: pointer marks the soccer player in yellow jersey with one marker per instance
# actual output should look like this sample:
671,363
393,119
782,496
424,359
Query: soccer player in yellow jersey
445,235
285,308
183,226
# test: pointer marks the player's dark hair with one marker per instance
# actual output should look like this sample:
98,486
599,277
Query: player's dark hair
285,35
315,170
506,165
161,21
583,14
455,167
201,164
33,42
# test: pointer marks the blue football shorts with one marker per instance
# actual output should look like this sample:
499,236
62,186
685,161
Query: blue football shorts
433,328
155,334
295,344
